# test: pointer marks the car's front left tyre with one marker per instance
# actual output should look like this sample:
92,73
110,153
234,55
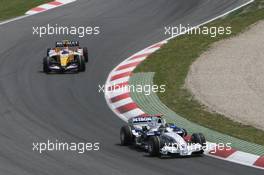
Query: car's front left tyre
85,54
81,64
199,138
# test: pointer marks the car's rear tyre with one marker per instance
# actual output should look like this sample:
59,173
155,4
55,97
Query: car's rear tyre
126,136
154,146
85,54
81,64
48,50
199,138
46,68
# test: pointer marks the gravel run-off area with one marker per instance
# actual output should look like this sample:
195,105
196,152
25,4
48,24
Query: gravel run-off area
229,77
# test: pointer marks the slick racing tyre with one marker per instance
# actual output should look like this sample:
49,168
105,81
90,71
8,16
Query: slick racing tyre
198,138
85,54
46,68
126,136
81,64
154,146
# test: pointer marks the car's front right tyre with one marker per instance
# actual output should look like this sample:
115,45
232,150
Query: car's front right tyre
46,68
48,50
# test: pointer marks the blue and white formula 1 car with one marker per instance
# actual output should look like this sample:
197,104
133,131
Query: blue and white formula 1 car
153,134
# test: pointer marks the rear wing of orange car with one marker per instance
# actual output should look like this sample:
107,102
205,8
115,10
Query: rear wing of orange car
67,44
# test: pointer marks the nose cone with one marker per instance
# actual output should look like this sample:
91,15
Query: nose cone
64,60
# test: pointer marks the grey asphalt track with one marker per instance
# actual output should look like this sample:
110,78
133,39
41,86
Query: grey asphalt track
36,107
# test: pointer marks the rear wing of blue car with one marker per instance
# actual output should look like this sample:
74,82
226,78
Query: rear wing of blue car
146,119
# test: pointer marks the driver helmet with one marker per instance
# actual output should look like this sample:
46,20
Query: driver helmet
145,128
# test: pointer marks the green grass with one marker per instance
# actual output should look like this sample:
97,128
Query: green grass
13,8
171,65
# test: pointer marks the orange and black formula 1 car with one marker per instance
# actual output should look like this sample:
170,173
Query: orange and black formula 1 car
66,56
